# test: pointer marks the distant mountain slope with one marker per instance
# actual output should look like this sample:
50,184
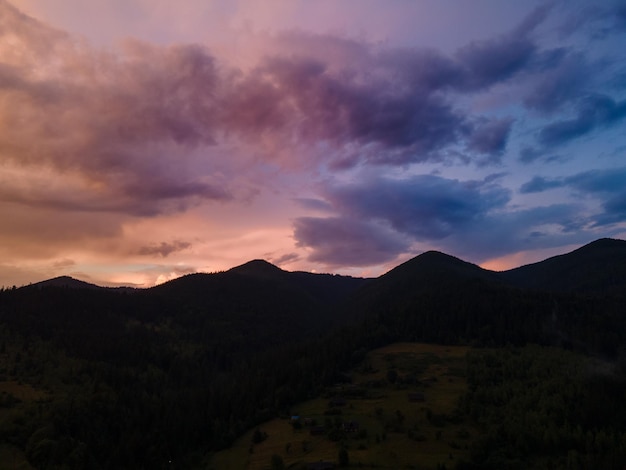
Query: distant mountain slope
428,272
259,300
563,300
436,266
65,281
328,289
597,266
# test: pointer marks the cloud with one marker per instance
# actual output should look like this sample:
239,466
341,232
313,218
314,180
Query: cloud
530,154
539,184
473,219
593,112
599,20
337,241
491,137
426,207
494,60
567,75
400,122
504,232
591,182
287,258
155,128
607,185
95,140
599,181
163,249
314,204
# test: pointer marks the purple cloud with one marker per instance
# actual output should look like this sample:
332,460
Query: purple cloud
426,207
470,218
339,241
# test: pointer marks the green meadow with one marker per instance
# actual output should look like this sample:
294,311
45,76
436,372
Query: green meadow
399,410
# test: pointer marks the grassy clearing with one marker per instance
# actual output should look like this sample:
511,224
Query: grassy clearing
403,398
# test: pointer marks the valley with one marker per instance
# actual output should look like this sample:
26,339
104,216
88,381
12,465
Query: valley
188,374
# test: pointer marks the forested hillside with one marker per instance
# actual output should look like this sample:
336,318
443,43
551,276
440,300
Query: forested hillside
121,378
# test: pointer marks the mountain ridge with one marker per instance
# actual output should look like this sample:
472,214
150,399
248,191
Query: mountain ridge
560,272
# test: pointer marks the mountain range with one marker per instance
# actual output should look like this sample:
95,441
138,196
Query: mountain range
198,360
597,266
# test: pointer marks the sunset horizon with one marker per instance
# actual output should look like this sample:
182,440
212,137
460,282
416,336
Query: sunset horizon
141,141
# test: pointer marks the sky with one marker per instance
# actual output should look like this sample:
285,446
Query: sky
141,140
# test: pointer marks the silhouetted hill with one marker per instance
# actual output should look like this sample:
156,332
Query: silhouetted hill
434,266
259,267
262,295
598,266
404,286
563,300
65,281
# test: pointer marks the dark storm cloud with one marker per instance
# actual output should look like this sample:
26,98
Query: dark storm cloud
338,241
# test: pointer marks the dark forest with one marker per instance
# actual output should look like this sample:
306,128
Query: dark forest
97,377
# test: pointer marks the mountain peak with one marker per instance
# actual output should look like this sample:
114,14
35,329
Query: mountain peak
596,266
65,281
431,264
257,267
